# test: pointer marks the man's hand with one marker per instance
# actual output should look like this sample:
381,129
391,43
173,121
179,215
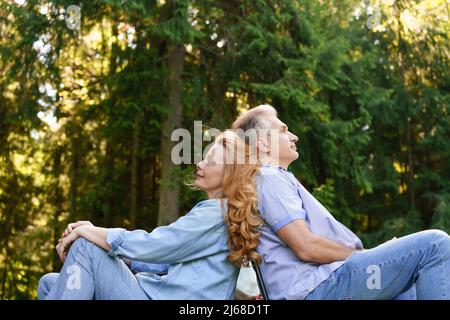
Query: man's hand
64,244
72,226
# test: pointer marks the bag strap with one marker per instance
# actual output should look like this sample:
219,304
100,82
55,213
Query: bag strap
259,278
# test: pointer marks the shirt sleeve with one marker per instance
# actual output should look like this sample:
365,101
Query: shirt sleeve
156,268
197,234
279,201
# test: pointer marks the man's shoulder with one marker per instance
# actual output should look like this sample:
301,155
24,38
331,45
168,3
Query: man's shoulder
269,170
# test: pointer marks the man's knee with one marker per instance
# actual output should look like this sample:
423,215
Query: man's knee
437,238
436,235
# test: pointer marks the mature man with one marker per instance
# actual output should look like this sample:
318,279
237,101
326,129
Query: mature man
308,254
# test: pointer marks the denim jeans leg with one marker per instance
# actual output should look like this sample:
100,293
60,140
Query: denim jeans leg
89,272
409,294
46,282
421,260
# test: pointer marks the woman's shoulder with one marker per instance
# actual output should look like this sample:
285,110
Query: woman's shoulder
209,203
211,208
205,213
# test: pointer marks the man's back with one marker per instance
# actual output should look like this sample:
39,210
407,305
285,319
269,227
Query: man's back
282,199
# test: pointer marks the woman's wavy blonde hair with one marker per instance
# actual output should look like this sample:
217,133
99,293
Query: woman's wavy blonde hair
239,189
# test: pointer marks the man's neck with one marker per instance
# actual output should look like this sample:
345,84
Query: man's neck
271,162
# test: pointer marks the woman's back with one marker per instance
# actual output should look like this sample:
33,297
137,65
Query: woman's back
196,248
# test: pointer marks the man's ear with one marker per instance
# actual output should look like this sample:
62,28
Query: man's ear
262,146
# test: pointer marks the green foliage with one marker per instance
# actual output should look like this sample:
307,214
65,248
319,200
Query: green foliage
370,107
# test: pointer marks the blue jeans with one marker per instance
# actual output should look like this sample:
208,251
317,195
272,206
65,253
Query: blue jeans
90,273
420,260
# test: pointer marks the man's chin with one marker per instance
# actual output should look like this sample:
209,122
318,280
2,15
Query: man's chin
293,158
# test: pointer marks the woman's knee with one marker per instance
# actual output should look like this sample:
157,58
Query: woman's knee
84,243
86,247
45,284
80,246
81,242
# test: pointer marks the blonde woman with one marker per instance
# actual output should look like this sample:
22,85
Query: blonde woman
204,249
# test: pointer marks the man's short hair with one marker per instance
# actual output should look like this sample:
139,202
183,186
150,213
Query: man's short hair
253,124
255,118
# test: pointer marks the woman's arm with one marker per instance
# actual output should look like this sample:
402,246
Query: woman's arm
197,234
95,235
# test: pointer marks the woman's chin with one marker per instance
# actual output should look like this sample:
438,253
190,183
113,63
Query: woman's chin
197,183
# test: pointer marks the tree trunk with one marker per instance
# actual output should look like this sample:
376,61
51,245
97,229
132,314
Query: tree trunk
5,267
170,180
109,163
409,129
110,154
57,202
74,176
134,174
412,197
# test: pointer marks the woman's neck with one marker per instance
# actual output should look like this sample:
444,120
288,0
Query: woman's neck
213,194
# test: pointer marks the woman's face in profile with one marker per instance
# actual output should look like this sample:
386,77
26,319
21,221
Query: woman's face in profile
210,171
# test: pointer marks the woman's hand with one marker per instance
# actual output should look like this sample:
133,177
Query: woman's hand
64,244
72,226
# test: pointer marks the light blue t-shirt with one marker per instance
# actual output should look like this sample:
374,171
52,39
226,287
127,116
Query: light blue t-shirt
281,200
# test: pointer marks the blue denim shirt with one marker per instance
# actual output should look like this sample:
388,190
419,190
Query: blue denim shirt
281,200
157,268
195,250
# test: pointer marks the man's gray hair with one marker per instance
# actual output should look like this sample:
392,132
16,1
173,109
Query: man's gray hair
255,118
253,124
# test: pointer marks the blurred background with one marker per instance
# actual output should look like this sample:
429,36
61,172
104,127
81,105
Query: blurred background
90,92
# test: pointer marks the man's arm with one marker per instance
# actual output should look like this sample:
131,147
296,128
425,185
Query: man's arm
282,209
310,247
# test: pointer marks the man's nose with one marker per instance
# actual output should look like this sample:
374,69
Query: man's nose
293,137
